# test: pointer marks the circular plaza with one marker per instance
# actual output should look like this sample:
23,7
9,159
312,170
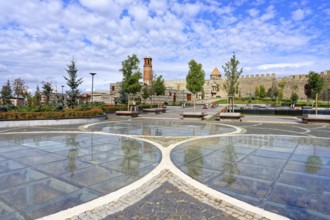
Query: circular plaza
121,169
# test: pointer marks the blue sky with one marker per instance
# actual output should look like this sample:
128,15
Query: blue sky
40,37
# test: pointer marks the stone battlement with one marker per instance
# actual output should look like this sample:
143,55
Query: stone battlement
252,76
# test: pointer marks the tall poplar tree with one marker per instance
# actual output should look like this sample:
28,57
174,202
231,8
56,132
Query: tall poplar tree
232,74
195,79
73,82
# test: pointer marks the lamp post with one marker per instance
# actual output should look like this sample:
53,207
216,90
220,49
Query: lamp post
62,94
93,74
328,98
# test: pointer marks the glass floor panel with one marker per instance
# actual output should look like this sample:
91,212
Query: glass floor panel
277,173
44,173
161,128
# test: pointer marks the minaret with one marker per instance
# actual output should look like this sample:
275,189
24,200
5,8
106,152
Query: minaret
147,70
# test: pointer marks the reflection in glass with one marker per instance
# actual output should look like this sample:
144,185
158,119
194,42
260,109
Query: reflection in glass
230,165
132,157
313,163
190,155
72,153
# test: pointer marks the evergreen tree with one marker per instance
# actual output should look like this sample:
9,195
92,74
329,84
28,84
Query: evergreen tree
46,91
195,79
37,97
122,99
232,74
6,94
73,82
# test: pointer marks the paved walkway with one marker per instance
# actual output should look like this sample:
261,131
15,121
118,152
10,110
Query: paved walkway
166,194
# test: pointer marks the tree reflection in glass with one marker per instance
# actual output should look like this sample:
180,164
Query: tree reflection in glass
194,161
230,166
313,163
132,158
72,153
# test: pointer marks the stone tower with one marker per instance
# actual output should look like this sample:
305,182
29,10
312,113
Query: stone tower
147,70
215,75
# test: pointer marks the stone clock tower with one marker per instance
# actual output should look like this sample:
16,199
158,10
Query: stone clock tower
147,70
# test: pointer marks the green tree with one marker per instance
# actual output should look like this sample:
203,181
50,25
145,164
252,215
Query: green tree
195,79
232,74
131,76
145,93
37,97
308,91
281,90
317,83
262,91
46,91
6,94
159,86
257,92
20,90
294,98
122,99
73,82
274,91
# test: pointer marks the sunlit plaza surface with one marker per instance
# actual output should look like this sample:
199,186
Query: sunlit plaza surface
283,168
162,128
45,173
286,175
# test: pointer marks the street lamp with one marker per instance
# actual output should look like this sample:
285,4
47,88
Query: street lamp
328,98
93,74
62,94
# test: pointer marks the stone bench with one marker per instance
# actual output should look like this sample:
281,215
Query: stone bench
153,110
197,115
315,118
230,115
133,114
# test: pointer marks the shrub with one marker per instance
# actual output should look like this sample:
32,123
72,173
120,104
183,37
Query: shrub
70,113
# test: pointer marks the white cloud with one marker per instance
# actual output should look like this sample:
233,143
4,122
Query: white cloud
298,15
270,13
253,12
158,6
284,65
100,35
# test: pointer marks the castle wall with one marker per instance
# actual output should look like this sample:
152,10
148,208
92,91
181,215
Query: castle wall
248,83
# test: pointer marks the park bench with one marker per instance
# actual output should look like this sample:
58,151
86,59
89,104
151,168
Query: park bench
133,114
230,115
315,118
195,115
153,110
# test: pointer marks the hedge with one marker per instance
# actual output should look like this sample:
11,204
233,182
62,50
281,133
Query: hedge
66,114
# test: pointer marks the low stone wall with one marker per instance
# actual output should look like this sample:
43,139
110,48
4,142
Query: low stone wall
28,123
